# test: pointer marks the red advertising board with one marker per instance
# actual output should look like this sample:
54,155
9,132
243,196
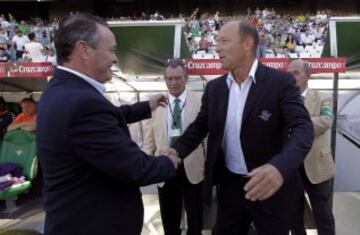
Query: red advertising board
318,65
194,66
2,70
24,70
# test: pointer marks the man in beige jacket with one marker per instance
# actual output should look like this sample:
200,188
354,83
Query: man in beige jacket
319,165
165,126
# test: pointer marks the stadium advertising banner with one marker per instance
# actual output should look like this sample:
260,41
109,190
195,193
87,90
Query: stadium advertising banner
194,66
26,70
318,65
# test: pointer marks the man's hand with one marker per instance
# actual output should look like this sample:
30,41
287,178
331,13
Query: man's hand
29,126
172,155
158,100
14,126
264,182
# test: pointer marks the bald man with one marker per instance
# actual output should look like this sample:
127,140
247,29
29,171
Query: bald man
245,114
319,165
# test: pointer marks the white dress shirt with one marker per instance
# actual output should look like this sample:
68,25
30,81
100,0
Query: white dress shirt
231,145
303,94
171,105
97,85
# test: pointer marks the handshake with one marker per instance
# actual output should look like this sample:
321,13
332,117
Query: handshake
173,155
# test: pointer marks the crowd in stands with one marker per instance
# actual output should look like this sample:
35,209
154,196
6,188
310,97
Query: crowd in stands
280,35
30,41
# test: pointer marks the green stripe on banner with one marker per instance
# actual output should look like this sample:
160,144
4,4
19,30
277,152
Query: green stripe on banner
327,112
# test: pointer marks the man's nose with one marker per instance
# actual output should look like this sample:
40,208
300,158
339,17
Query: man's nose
115,59
217,47
173,82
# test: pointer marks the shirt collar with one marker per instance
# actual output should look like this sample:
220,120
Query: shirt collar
305,92
182,98
97,85
230,77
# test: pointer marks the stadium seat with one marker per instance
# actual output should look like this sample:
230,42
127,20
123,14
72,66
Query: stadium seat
18,147
293,55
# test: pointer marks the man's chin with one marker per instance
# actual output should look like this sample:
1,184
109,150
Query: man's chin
224,66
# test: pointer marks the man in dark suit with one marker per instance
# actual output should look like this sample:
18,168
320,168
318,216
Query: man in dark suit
92,169
246,114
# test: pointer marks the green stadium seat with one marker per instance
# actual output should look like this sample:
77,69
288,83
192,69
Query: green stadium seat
18,147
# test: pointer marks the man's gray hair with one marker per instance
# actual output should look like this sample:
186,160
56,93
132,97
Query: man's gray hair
174,63
74,28
246,29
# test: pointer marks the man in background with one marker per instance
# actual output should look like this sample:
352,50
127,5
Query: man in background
34,49
318,167
19,41
26,120
6,117
162,131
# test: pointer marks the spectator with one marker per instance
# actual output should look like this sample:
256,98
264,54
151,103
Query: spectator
306,39
278,44
284,53
4,56
24,28
254,21
6,117
318,34
4,39
192,45
25,57
34,49
263,43
27,119
50,56
3,23
290,43
204,43
19,41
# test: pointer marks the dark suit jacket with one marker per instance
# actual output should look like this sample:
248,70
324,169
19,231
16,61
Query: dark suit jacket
274,92
92,169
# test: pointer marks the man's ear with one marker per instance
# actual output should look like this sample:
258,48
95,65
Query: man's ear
248,43
83,49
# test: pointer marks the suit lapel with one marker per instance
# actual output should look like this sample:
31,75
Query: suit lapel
223,97
188,110
255,91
